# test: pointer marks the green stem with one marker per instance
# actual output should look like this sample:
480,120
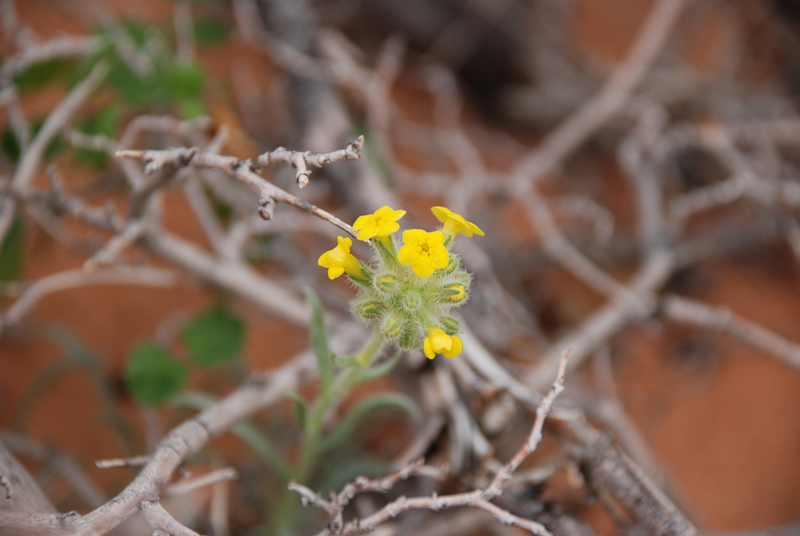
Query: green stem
309,450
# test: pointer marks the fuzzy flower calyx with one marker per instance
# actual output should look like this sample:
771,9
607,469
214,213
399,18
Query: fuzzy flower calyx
424,252
381,224
439,342
455,223
339,260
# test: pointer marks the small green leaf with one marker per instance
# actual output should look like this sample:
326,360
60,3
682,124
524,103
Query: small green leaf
11,251
300,409
152,375
351,421
138,91
185,80
214,337
209,30
10,144
39,74
319,340
192,108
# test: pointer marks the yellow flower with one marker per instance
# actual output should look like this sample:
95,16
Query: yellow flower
424,252
455,223
439,342
339,260
381,224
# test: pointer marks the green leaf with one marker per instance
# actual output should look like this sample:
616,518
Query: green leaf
138,91
11,146
192,108
152,375
300,409
185,79
245,430
319,340
351,421
11,251
214,337
209,31
39,74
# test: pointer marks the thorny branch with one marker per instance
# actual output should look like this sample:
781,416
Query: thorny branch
664,229
479,498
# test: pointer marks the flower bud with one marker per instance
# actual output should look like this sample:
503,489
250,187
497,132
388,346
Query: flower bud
409,340
454,293
392,326
450,325
368,309
411,301
386,282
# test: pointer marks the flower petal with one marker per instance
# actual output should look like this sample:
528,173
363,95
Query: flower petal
435,238
383,212
408,255
335,271
423,267
456,347
440,340
475,229
388,227
414,236
441,213
397,214
324,261
428,349
368,231
361,222
440,257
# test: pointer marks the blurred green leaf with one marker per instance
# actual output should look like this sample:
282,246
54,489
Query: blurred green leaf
191,108
214,337
208,30
319,340
351,421
104,49
139,91
152,375
300,408
11,251
185,79
39,74
11,145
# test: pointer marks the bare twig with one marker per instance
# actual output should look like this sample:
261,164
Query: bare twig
136,461
159,519
208,479
78,278
571,133
719,318
245,172
479,498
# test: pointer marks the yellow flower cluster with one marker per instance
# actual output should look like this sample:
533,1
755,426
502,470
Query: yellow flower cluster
390,298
